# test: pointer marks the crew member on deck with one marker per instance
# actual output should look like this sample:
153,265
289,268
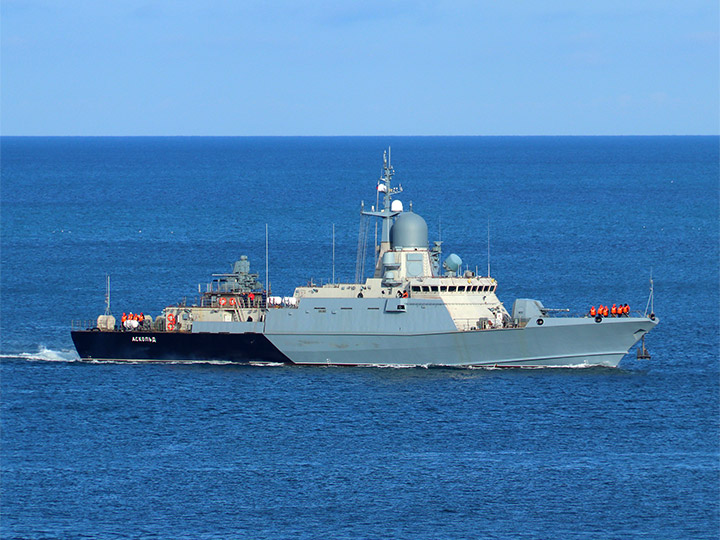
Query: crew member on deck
592,311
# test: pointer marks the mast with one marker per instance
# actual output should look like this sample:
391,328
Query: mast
386,214
488,246
267,277
651,299
107,294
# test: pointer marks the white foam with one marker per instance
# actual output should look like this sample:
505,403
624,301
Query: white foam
549,366
45,355
395,366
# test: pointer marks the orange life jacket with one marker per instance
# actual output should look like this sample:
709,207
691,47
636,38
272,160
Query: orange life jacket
592,311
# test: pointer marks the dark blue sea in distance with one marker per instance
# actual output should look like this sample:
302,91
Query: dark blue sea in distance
215,451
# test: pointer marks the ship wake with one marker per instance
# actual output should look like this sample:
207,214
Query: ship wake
43,354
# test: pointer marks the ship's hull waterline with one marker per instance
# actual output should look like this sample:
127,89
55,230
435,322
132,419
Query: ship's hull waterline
558,343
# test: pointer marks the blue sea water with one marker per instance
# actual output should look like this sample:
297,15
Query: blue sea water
220,451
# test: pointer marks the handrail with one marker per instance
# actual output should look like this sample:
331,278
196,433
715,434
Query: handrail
82,324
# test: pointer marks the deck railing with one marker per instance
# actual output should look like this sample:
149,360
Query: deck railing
79,324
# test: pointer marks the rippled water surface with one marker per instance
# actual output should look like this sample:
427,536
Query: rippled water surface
95,450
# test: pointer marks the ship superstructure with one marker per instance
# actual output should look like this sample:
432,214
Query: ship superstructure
414,310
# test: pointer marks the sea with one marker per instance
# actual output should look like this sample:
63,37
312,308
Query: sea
221,451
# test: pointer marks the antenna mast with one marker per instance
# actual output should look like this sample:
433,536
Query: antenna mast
333,254
107,294
267,277
488,246
386,213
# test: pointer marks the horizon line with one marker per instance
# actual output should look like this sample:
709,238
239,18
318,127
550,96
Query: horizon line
368,136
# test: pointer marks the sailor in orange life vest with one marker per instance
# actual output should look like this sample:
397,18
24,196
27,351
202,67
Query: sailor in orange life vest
592,311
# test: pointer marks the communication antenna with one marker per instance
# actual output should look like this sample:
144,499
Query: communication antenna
488,245
267,277
107,294
333,254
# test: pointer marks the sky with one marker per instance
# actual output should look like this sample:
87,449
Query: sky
370,67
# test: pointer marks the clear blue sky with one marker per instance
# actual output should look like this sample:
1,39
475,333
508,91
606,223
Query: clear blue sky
369,67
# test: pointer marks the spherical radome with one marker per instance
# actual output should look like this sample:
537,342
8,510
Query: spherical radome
409,231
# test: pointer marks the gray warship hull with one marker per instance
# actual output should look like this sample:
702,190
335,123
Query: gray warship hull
558,343
421,332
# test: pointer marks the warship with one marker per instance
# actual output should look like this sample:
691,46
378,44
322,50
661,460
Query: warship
416,310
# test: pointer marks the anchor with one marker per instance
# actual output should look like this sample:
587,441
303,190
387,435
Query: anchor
642,352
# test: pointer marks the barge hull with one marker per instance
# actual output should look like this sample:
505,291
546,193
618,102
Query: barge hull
240,348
